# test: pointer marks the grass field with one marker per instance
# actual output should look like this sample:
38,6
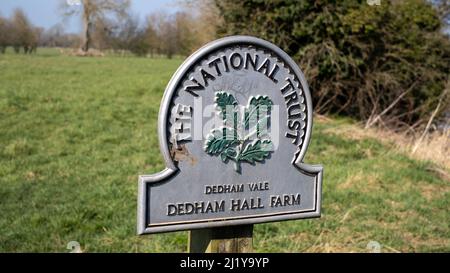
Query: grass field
76,132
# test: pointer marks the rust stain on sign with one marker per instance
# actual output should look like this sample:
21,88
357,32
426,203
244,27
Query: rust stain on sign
182,154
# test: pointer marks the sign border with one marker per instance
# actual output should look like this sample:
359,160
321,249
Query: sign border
171,169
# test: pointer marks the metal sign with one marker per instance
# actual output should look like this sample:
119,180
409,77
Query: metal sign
234,125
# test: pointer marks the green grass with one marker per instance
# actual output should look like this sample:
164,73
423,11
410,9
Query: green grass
76,132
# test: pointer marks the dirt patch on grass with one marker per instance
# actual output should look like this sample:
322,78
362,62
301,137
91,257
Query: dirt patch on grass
417,243
435,147
432,192
363,182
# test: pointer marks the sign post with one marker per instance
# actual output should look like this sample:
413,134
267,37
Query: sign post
234,126
233,239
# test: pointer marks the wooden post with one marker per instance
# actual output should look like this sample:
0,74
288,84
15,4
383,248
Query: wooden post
233,239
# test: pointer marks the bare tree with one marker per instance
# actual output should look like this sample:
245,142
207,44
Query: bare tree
168,36
154,25
93,11
4,34
205,17
103,34
186,38
22,32
162,26
52,36
55,37
37,34
128,30
151,37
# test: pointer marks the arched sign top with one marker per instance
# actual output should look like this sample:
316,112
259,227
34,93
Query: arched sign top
218,45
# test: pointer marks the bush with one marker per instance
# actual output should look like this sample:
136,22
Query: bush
384,64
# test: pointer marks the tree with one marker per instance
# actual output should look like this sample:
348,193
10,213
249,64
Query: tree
206,19
93,11
132,36
35,38
163,25
102,36
186,37
5,31
56,37
168,37
151,37
23,34
179,33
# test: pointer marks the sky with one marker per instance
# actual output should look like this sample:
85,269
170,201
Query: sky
45,13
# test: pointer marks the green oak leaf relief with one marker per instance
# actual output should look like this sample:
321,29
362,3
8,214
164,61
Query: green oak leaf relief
229,142
224,100
219,140
257,113
256,151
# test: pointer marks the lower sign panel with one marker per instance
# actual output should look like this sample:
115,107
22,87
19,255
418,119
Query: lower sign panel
175,204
